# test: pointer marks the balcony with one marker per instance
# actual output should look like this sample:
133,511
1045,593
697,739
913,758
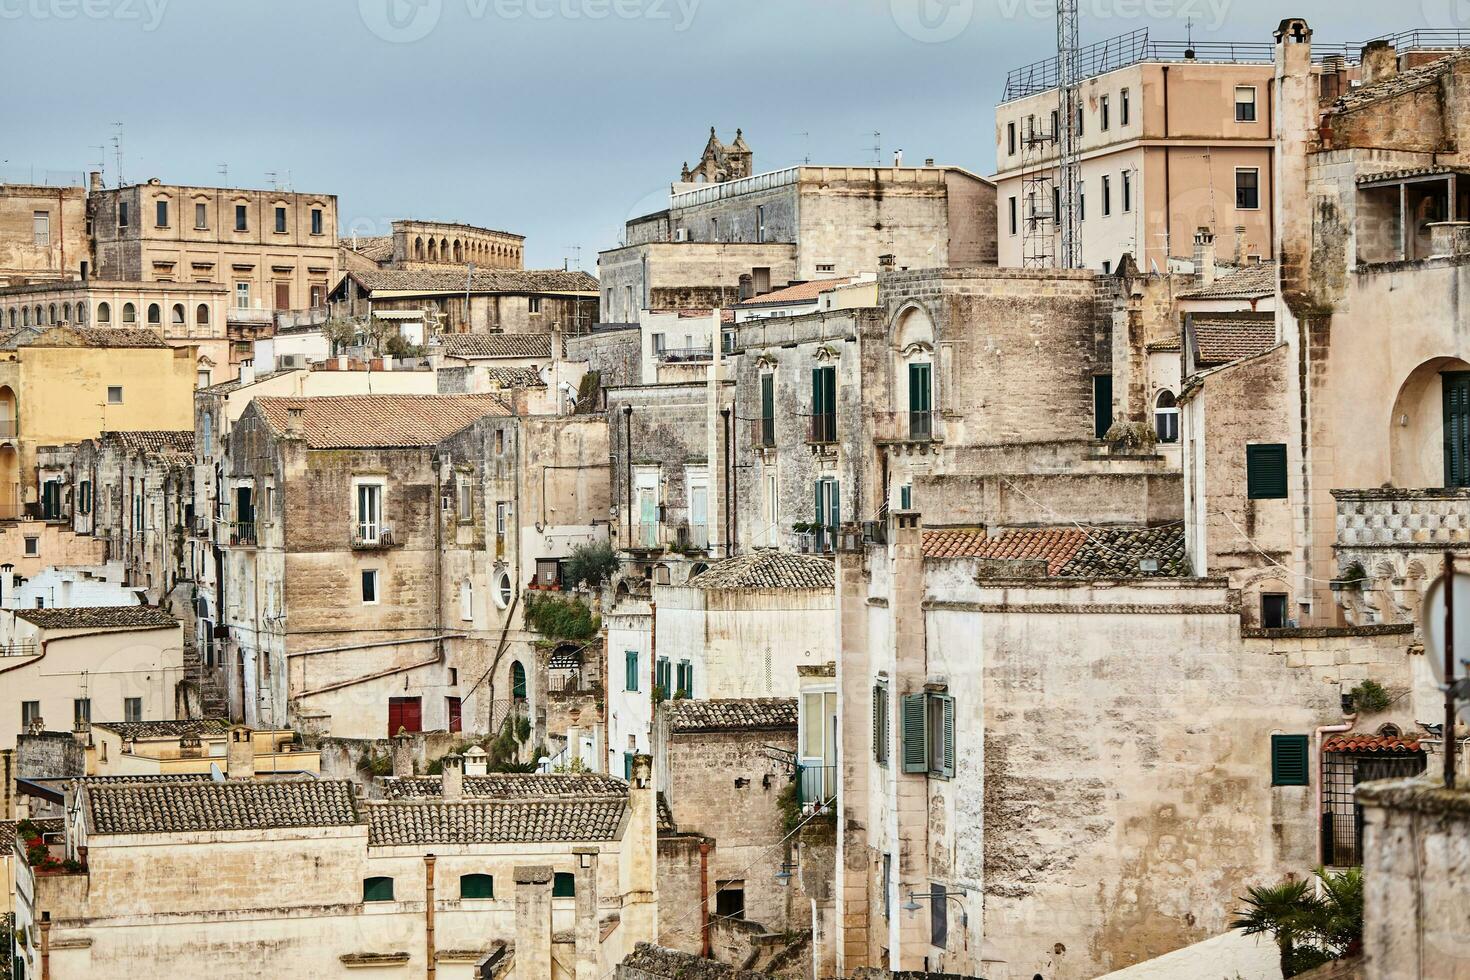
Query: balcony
821,429
372,538
644,537
682,355
816,784
19,650
242,534
912,428
1388,547
313,316
9,428
762,432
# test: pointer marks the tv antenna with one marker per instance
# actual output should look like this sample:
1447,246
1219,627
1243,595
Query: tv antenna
224,173
101,162
576,260
877,148
806,147
117,149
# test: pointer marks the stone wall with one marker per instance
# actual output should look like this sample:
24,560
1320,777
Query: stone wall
648,962
25,258
612,353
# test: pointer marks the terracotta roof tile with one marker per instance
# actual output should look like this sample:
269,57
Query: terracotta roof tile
1358,742
379,421
1397,84
165,442
732,714
191,728
1055,545
52,825
97,617
509,786
767,570
483,281
494,822
85,337
1225,338
514,377
802,292
179,807
1251,281
1070,552
497,344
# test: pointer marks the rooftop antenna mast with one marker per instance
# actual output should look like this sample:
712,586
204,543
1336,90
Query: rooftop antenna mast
806,146
117,150
101,162
877,148
272,175
224,173
1069,103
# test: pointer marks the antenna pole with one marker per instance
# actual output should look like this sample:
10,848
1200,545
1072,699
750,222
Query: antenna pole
1069,102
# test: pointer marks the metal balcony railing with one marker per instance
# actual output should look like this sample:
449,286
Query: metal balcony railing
821,428
816,784
644,536
372,538
906,426
242,533
19,650
9,428
679,354
762,432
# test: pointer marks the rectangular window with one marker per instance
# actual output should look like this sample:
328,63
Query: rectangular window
1107,195
466,499
1289,760
760,222
1011,138
1081,201
453,708
928,722
1265,471
768,410
30,712
1081,117
1123,105
84,497
906,497
663,672
280,221
921,400
114,395
122,214
242,295
1127,191
161,216
316,221
730,899
658,343
502,514
81,713
880,724
1015,223
476,886
201,216
41,228
377,889
132,709
684,680
1102,405
1056,124
241,224
1245,104
630,668
370,586
1104,114
33,546
533,304
369,512
1248,189
1273,610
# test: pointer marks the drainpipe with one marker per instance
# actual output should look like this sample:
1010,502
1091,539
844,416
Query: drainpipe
429,966
1321,732
704,899
729,488
652,667
436,511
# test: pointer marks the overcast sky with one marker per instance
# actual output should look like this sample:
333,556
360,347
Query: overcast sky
555,119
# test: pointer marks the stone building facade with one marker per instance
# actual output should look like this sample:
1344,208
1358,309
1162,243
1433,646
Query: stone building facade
434,245
719,163
43,234
499,301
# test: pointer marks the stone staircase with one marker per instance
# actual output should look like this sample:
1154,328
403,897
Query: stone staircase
211,697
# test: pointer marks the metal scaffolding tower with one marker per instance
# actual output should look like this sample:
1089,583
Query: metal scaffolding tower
1069,105
1038,196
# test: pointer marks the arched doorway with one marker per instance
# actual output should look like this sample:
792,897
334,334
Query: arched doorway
517,681
1429,432
9,413
9,483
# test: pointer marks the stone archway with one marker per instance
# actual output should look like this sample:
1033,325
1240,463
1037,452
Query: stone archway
1417,443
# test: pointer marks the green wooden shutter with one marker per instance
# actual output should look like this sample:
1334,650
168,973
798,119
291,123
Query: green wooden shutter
630,681
662,670
476,886
768,409
817,515
1290,760
919,388
564,885
1265,471
836,502
817,391
1456,428
947,706
915,734
377,889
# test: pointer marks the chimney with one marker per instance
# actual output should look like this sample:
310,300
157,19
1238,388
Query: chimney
587,930
240,760
1380,61
295,421
747,287
898,158
402,751
533,920
247,372
636,867
453,780
476,762
1297,128
94,181
928,161
1238,256
1204,256
887,262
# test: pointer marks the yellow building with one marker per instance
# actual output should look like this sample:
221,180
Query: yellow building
64,384
191,747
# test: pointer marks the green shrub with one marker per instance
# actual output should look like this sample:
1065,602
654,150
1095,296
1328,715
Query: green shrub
592,565
561,617
1369,697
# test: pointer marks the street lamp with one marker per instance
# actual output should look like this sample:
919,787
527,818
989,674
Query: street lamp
959,895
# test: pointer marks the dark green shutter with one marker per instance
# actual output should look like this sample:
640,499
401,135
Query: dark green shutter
1265,471
880,724
1102,405
817,391
517,680
1456,428
915,734
377,889
836,515
662,669
1290,760
476,886
768,409
818,517
630,680
947,706
564,885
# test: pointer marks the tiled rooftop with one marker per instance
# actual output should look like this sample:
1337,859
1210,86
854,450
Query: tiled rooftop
166,442
514,377
802,292
1253,281
179,807
1358,742
767,570
483,281
379,421
732,714
509,785
1225,338
191,728
1070,552
498,822
98,617
1398,84
85,337
497,344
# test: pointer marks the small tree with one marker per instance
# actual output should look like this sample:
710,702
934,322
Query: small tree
591,565
1309,929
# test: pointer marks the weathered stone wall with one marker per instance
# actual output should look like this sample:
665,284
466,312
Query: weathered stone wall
613,354
685,275
49,754
678,891
648,962
24,258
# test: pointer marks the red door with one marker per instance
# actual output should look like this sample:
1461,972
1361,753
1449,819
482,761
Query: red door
454,723
406,714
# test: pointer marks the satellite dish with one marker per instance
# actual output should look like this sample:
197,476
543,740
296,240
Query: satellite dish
1432,619
216,773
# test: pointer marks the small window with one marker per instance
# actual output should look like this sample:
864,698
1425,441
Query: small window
114,395
1081,201
504,592
201,315
1104,111
1273,610
41,228
502,517
534,304
1127,191
1248,189
466,499
155,315
132,709
517,680
826,266
1011,138
1107,195
1123,106
81,712
1265,471
476,886
280,221
161,216
1289,760
466,601
370,586
564,885
242,295
1245,104
880,724
176,315
630,670
1166,417
201,216
130,313
30,712
104,313
241,224
33,546
122,214
316,221
377,889
730,899
1014,218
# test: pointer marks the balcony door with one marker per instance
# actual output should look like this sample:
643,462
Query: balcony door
1456,428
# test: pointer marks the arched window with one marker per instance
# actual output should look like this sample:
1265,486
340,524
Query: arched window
40,316
418,249
1166,417
155,315
51,313
66,312
564,885
433,250
503,591
82,314
178,314
104,312
517,680
201,315
12,319
130,313
458,254
476,886
377,889
25,316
